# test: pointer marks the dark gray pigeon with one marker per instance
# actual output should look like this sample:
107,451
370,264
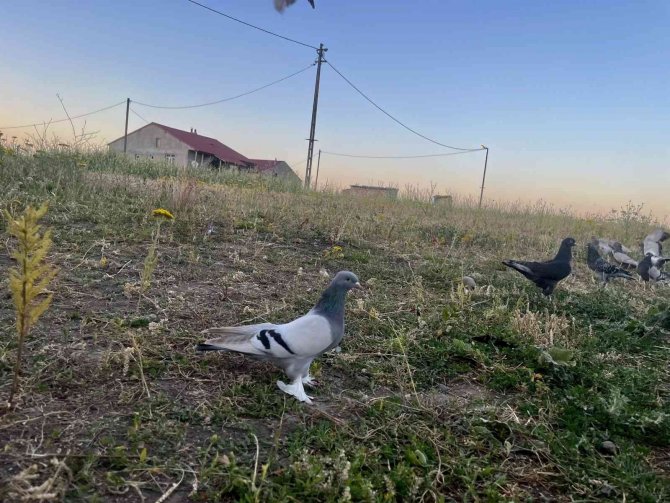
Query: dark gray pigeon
649,268
602,268
292,346
546,275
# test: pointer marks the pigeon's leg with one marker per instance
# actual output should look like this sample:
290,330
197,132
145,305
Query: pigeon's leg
308,380
295,370
296,389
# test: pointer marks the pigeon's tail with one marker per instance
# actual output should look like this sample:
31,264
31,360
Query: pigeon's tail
622,274
208,347
237,339
519,267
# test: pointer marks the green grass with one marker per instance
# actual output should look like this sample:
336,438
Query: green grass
437,395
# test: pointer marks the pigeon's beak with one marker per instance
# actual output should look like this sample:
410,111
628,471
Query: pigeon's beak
358,286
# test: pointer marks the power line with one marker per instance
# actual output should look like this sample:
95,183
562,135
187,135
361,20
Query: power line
133,111
400,156
66,119
229,98
251,25
392,117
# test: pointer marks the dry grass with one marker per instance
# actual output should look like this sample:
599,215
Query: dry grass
438,394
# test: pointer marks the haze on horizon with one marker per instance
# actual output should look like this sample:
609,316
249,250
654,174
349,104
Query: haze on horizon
571,99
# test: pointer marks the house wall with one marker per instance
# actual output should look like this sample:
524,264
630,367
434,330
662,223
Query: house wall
372,192
443,200
142,143
283,170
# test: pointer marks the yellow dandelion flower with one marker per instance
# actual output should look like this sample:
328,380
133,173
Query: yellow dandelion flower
162,212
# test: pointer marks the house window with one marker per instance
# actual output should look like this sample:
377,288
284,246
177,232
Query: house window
170,158
158,143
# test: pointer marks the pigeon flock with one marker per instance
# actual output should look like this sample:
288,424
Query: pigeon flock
293,346
546,275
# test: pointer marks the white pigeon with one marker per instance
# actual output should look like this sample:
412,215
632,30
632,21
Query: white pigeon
294,345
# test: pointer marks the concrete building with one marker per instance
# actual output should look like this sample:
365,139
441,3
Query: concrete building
372,191
443,200
158,142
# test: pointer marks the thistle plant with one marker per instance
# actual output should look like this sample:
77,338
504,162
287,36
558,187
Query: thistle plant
29,279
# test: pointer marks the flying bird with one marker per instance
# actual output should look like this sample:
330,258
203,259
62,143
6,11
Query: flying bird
546,275
602,268
292,346
622,257
280,5
649,268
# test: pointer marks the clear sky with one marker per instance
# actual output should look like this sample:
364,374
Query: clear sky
572,97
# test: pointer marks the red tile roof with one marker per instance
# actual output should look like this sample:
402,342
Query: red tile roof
207,145
265,164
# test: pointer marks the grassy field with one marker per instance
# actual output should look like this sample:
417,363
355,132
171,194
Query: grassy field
437,394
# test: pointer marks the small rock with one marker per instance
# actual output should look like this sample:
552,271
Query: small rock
607,491
608,447
469,283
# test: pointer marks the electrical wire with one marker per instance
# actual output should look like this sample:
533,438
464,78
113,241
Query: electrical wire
393,118
133,111
229,98
401,156
251,25
66,119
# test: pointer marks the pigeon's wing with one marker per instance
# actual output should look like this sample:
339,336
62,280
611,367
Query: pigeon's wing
657,275
651,246
309,335
551,270
622,258
604,267
659,261
658,235
619,245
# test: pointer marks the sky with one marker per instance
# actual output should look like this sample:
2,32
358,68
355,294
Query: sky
571,97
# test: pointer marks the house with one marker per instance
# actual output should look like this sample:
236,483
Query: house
443,200
158,142
275,168
372,191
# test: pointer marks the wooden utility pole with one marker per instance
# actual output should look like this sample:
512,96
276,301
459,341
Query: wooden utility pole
310,149
486,160
318,164
125,134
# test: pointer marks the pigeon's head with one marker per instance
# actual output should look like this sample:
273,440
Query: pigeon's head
346,280
569,242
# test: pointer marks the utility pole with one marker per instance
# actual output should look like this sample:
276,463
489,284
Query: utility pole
486,160
318,164
312,129
125,134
